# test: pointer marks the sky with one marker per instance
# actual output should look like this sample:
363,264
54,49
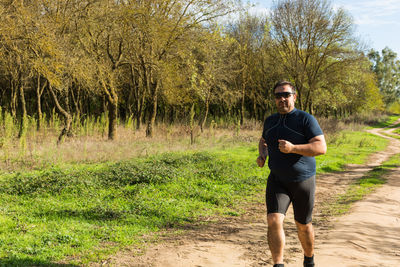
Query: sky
377,22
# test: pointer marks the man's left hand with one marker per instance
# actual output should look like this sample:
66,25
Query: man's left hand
285,146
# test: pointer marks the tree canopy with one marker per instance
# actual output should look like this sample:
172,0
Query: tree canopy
154,60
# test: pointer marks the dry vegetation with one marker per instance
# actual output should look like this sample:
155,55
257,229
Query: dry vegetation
40,148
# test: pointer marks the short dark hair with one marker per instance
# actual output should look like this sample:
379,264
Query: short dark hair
283,83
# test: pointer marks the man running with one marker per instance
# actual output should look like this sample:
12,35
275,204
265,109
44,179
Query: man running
291,138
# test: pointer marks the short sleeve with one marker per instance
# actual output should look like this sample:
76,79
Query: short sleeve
312,128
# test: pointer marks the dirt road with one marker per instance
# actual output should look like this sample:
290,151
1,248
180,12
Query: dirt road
368,236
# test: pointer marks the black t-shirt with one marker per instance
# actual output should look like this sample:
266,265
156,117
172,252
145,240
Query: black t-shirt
297,127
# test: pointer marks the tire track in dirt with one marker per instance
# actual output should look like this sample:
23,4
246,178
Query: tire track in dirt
242,241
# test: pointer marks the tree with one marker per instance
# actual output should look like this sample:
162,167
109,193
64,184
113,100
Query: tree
387,70
211,68
99,32
19,45
52,55
309,38
165,25
350,89
157,58
249,33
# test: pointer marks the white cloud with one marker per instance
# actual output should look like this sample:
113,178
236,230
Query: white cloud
388,5
372,12
375,21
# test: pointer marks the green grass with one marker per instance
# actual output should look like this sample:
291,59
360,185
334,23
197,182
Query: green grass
349,147
362,187
90,211
82,213
397,131
388,122
394,134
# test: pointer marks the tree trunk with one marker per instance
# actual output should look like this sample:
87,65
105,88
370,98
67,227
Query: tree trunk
129,102
112,98
242,111
76,100
171,114
307,101
66,101
153,114
39,92
139,99
89,105
112,117
133,92
66,131
140,108
13,102
254,110
299,88
105,102
23,124
203,123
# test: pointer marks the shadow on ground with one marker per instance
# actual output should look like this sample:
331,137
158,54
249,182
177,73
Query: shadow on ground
12,261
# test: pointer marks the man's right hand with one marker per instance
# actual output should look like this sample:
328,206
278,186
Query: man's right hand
260,161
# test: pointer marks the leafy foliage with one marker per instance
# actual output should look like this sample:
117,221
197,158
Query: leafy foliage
147,61
386,66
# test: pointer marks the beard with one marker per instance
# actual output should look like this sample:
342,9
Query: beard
283,107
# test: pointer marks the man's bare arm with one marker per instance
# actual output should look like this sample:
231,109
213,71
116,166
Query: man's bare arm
263,152
262,148
316,146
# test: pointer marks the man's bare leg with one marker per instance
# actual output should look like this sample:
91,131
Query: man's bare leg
276,236
306,237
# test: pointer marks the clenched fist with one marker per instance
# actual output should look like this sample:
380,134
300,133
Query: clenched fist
260,161
285,146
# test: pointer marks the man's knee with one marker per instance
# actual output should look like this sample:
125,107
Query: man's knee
275,219
306,228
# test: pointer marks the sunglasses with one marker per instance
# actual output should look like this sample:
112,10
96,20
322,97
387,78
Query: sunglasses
283,94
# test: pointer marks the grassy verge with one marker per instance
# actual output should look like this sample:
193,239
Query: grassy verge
82,213
391,123
388,122
349,147
397,131
395,135
88,211
364,186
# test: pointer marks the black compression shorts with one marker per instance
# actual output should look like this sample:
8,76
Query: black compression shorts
279,195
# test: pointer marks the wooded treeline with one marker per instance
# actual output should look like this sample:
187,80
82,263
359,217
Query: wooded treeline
153,60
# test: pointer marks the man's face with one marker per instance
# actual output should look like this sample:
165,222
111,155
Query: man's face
284,99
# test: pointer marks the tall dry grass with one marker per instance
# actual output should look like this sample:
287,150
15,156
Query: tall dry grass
89,144
333,126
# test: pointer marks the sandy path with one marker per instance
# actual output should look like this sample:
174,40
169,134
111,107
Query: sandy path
368,236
